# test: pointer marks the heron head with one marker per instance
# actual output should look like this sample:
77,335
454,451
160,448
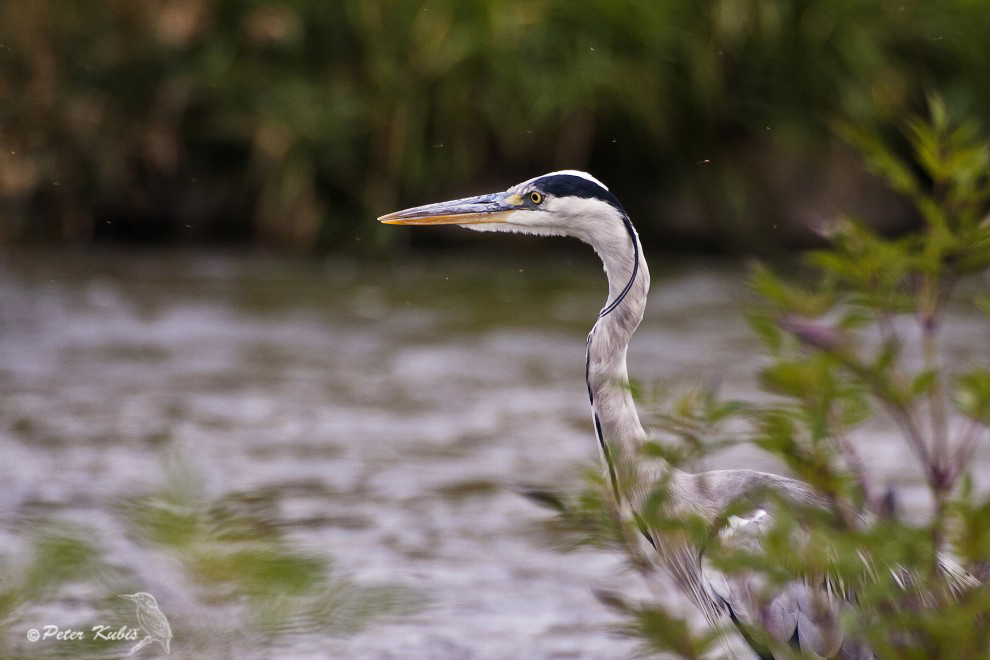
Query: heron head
565,203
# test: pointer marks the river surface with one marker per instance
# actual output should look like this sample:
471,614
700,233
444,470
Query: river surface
372,423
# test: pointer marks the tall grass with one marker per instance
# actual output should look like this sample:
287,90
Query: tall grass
289,123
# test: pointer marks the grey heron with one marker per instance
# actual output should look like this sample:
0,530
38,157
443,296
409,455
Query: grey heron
573,203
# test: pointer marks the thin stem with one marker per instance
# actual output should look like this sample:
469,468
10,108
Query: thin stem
888,332
967,445
938,527
892,402
912,433
856,466
891,340
899,412
930,298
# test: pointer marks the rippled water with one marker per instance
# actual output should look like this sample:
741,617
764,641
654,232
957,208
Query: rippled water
375,420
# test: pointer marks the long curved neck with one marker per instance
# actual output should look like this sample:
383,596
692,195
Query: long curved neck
616,420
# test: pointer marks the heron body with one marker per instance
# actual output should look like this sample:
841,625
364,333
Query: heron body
572,203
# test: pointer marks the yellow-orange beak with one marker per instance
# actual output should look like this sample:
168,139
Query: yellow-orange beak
467,211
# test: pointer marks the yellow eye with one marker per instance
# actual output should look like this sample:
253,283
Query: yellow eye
535,197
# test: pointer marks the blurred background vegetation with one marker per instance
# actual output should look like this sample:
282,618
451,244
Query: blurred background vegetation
291,124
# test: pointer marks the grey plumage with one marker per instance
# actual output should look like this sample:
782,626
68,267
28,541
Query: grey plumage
804,613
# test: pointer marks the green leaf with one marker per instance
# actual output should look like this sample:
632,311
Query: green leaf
922,383
982,303
789,297
973,253
794,379
973,395
880,159
768,330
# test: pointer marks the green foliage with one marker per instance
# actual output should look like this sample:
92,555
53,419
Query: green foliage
293,122
695,418
662,631
233,552
839,363
59,556
855,336
229,555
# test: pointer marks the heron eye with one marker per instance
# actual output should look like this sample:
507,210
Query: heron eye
535,197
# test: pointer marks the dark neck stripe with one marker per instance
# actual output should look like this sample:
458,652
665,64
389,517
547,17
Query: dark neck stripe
598,423
608,457
612,476
570,185
622,294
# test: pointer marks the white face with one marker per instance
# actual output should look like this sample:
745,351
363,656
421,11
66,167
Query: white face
530,207
568,216
545,214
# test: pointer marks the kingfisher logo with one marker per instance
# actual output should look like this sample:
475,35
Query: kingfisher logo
152,622
152,627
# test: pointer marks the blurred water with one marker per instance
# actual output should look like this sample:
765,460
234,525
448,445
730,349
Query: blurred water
379,417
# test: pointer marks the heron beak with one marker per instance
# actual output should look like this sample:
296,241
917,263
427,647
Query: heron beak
128,597
495,207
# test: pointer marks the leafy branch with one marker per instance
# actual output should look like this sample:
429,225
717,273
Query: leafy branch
859,335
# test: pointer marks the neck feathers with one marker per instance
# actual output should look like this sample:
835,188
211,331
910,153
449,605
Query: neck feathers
616,420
